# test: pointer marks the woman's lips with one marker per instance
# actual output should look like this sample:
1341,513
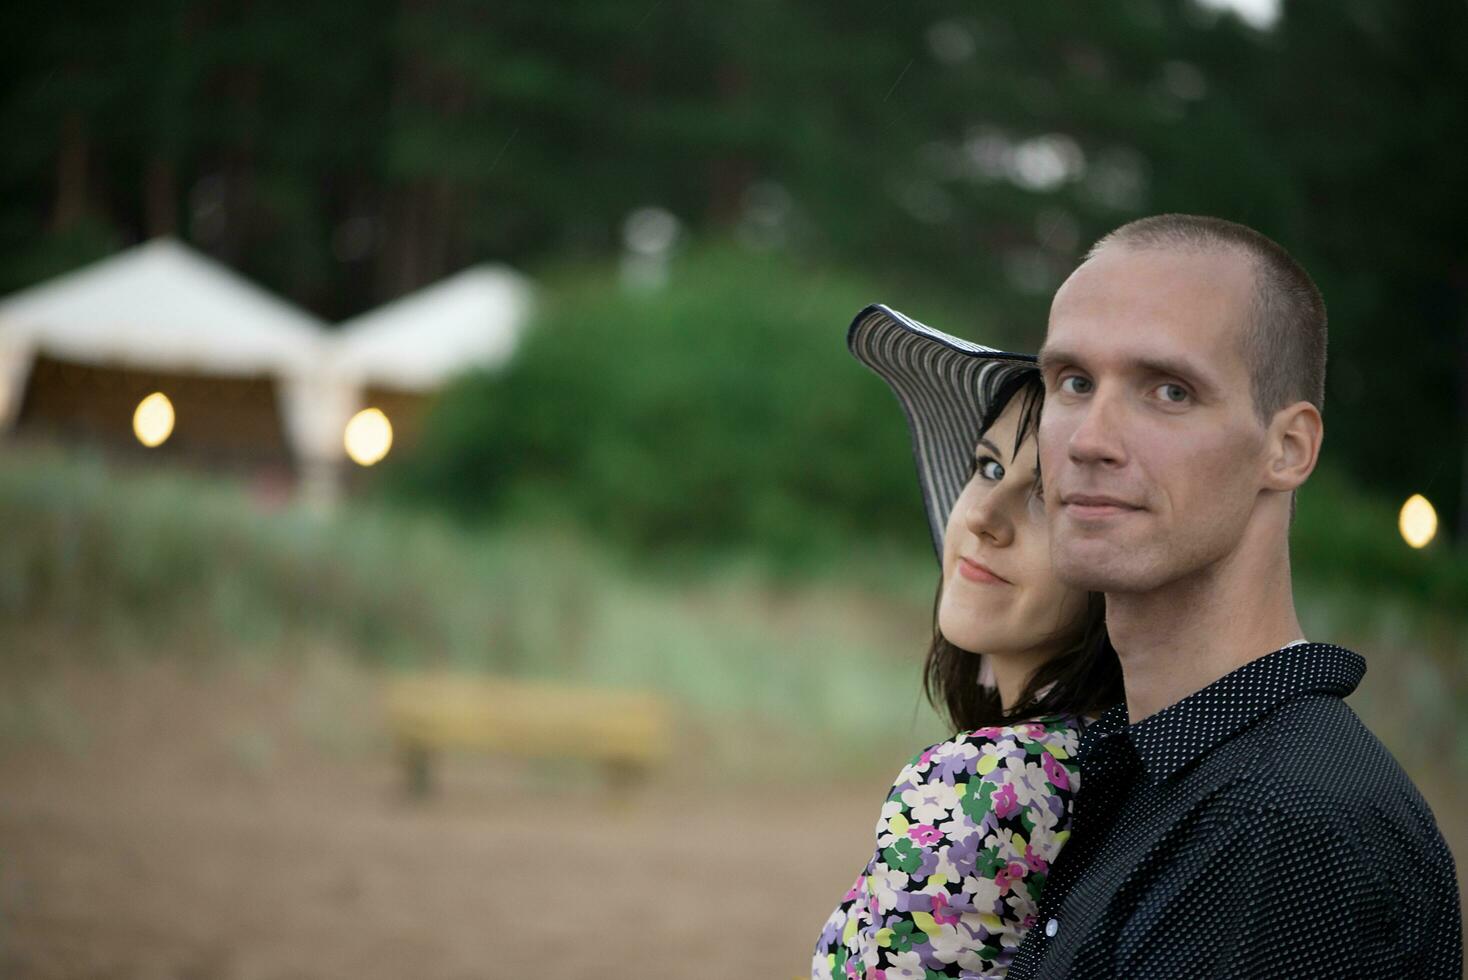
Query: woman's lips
975,572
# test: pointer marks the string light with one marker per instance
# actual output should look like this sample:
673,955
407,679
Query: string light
153,420
368,436
1417,521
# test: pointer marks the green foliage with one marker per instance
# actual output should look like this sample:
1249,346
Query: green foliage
720,410
159,560
1345,536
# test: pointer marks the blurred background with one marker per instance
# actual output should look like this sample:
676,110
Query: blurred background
444,534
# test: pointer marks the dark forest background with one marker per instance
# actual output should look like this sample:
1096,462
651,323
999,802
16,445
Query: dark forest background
952,158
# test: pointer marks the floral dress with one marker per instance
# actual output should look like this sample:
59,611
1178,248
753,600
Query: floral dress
964,844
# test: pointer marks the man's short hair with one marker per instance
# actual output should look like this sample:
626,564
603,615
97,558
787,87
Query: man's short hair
1284,346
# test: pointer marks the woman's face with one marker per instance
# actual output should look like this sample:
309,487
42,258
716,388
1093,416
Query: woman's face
1000,596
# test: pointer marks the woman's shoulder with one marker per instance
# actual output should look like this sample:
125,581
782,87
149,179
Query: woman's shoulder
1053,732
1049,742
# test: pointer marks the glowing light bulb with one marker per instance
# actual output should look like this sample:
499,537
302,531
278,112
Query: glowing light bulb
1417,521
368,436
153,420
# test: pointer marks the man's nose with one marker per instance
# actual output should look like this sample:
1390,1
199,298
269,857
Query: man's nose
1097,435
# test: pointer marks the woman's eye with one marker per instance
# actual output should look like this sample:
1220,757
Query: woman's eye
990,468
1074,384
1176,394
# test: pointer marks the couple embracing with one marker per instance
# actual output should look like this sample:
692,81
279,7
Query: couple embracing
1155,774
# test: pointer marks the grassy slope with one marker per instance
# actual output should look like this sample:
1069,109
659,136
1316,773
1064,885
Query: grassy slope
107,564
115,566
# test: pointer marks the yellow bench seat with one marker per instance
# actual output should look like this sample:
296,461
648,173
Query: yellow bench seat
629,731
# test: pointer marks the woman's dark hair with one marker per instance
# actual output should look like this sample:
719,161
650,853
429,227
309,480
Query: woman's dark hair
1084,679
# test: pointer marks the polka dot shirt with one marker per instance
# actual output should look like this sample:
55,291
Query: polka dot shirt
1253,829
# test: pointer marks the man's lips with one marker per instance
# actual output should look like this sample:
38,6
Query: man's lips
1095,505
977,572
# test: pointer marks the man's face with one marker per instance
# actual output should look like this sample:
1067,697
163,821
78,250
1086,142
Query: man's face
1149,444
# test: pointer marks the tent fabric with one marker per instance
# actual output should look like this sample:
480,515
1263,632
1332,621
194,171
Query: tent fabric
161,305
417,342
15,370
316,408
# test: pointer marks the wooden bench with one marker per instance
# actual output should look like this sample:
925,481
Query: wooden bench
630,732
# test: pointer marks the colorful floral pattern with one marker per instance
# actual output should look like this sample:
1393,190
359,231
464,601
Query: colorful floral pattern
964,843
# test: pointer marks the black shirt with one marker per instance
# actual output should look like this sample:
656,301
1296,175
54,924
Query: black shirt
1253,829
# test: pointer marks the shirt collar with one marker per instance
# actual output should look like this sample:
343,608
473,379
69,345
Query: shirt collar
1178,734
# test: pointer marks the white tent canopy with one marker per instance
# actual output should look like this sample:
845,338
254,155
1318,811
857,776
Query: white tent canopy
419,341
162,306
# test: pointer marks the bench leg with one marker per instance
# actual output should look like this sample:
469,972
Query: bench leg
625,775
418,768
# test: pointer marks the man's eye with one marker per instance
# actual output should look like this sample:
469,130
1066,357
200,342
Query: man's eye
990,468
1174,393
1074,384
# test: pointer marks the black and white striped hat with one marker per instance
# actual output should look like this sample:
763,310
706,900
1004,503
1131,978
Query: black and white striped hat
945,386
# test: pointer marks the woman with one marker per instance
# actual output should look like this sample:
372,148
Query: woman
1018,663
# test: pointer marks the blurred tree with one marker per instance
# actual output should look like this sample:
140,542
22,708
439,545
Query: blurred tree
750,431
1366,97
344,153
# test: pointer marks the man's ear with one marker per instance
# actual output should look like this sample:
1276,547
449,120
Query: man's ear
1293,446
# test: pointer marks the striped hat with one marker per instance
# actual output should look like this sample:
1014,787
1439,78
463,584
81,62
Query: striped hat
945,386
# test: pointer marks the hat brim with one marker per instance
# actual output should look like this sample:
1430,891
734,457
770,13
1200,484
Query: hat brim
945,385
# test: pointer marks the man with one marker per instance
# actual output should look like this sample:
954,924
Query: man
1234,817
